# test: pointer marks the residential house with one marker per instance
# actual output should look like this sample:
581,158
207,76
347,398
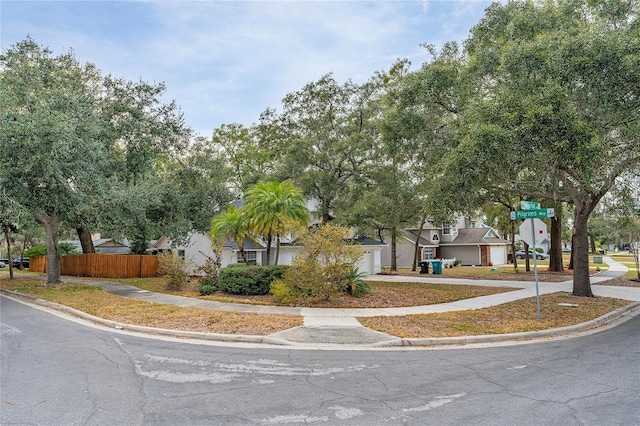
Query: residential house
104,245
198,248
469,241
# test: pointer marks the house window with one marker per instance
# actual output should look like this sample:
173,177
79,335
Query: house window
181,253
251,257
435,237
428,254
446,228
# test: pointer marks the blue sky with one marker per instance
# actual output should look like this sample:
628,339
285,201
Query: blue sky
227,61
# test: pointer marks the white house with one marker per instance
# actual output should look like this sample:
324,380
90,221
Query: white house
198,248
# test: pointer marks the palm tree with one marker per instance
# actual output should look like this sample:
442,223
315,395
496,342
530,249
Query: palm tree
230,224
275,209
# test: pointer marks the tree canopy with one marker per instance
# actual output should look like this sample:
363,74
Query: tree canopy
541,102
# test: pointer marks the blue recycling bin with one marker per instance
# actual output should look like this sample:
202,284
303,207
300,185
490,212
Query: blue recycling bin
437,266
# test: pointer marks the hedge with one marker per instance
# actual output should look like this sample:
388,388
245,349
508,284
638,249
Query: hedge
249,279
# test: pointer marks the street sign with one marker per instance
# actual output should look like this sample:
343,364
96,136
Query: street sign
532,214
533,232
529,205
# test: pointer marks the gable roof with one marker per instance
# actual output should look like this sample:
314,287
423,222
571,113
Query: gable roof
412,235
475,236
107,242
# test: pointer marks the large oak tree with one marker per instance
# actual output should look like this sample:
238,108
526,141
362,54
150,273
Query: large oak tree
558,87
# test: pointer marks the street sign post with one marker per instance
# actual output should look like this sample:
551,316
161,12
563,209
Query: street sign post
532,214
529,205
531,210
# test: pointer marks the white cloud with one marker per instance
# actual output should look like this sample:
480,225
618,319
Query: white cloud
227,61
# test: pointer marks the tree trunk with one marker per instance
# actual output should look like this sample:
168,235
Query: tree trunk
570,267
555,255
416,248
85,241
580,252
269,240
513,245
51,226
635,250
277,249
527,261
6,230
394,261
592,244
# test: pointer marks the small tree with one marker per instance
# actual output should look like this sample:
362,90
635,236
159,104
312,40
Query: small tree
231,224
172,266
208,284
321,269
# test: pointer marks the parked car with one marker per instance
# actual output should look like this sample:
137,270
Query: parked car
566,250
2,264
20,265
539,256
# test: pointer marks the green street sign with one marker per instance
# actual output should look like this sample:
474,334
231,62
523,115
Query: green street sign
529,205
532,214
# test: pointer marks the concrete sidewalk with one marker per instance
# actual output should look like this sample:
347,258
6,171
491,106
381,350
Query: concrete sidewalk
338,326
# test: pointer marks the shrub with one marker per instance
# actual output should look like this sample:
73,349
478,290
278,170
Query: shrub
64,248
320,269
249,279
208,284
173,267
356,285
39,250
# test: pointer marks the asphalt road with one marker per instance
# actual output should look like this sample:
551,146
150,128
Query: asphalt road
57,372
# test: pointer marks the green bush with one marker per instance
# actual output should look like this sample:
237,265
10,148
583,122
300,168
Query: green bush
356,285
249,279
39,250
64,248
207,285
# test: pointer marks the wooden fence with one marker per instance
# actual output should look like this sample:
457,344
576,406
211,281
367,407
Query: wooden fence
102,265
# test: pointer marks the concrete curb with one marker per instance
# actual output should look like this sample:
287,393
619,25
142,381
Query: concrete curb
611,319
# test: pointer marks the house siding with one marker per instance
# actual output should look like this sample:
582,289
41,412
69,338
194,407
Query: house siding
404,254
469,255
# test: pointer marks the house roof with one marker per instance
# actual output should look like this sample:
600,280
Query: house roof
107,242
247,245
366,241
363,241
475,236
100,242
412,234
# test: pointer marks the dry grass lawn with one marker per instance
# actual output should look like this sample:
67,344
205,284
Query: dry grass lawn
95,301
511,317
